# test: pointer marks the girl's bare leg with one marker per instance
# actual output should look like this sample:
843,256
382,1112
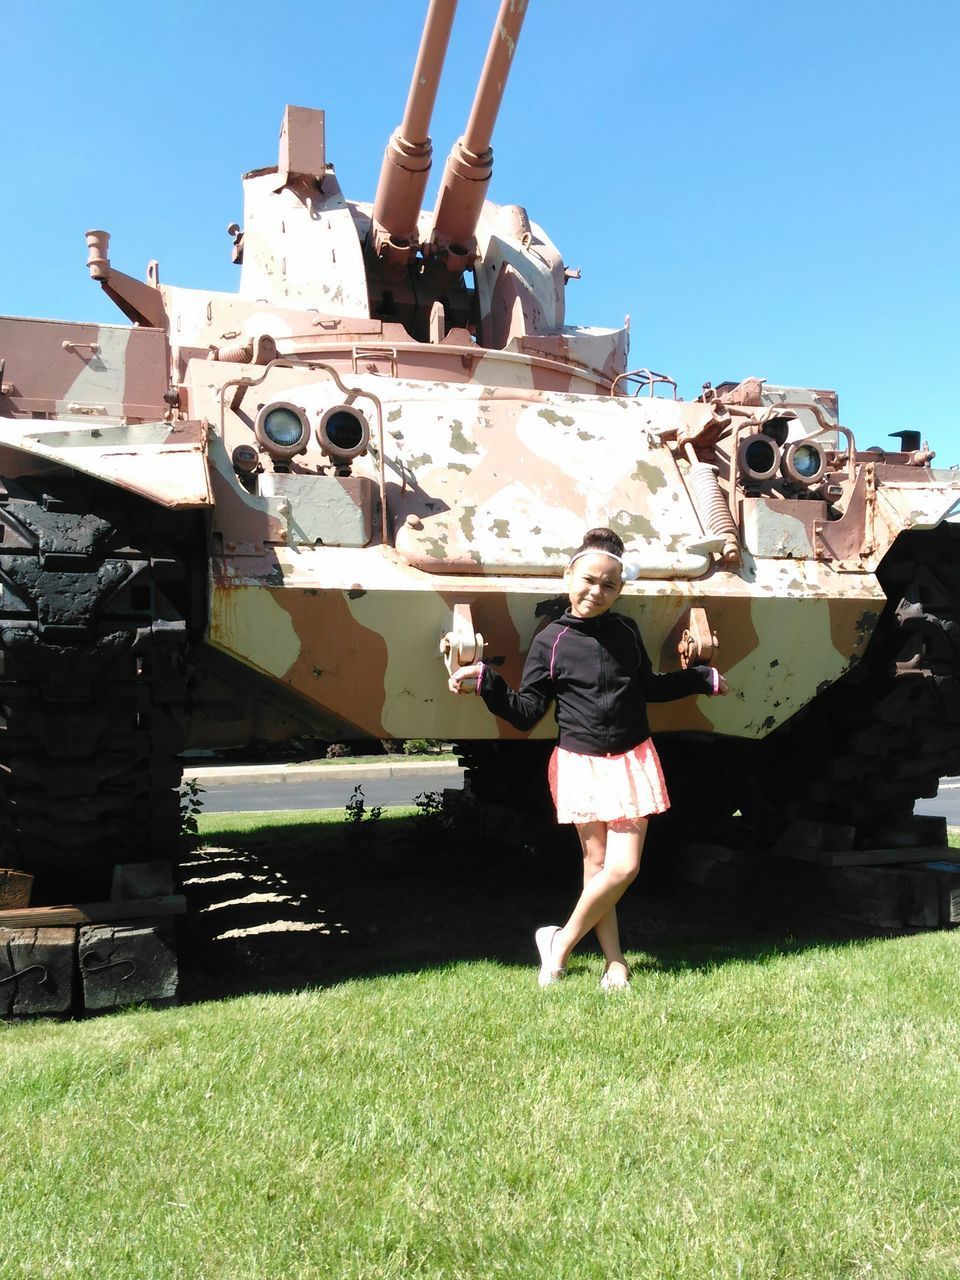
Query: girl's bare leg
593,840
604,890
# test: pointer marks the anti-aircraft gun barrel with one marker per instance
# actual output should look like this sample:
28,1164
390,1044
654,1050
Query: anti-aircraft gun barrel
470,163
409,153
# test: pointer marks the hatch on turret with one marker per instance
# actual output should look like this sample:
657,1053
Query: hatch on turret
300,242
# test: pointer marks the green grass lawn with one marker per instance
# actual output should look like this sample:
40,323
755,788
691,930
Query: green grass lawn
752,1108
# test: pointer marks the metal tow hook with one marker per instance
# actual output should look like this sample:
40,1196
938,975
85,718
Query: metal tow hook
87,967
22,973
461,645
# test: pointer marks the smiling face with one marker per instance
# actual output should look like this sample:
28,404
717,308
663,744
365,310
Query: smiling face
593,583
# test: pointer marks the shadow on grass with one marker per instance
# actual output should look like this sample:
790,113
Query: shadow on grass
280,907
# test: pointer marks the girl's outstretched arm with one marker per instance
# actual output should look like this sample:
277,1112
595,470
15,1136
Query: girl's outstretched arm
522,707
666,686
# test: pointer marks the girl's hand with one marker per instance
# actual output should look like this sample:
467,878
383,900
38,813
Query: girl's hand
461,676
722,687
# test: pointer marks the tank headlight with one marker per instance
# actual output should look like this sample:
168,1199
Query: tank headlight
246,460
777,429
758,457
343,434
282,429
804,462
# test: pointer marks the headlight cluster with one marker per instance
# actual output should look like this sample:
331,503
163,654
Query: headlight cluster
760,457
282,430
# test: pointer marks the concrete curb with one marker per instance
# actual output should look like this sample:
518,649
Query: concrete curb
220,775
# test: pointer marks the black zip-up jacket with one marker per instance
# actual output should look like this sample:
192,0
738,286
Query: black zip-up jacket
599,673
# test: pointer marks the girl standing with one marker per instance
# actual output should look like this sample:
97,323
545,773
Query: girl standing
604,774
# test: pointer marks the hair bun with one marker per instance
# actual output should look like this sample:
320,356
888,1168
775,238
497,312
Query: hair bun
602,540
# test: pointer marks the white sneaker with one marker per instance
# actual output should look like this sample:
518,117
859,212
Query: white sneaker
544,938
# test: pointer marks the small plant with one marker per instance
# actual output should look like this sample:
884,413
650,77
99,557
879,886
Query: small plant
357,810
422,747
432,811
429,804
337,750
191,804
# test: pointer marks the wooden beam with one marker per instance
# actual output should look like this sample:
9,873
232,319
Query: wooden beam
869,857
93,912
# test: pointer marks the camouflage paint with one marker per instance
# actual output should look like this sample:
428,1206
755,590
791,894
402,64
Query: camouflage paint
368,598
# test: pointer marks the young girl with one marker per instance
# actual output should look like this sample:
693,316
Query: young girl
604,774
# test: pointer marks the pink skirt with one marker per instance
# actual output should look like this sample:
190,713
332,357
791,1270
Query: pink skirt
607,788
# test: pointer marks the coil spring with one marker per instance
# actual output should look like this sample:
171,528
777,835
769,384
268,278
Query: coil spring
237,353
710,502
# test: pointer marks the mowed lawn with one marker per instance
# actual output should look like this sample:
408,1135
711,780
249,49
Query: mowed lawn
775,1109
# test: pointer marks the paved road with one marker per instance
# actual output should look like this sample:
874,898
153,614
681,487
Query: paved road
946,804
320,787
254,789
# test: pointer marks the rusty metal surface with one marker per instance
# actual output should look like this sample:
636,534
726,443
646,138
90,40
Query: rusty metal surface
92,372
409,153
469,166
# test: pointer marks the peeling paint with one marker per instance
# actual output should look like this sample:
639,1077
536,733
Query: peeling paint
868,621
633,525
556,419
650,475
458,440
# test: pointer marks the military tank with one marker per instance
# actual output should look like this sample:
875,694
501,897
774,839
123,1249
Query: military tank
289,509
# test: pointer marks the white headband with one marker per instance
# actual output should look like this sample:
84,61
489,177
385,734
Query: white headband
596,551
629,568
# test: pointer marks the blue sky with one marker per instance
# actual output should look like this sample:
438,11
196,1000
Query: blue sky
766,189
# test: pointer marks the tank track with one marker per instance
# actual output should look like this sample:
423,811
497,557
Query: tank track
884,735
93,676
